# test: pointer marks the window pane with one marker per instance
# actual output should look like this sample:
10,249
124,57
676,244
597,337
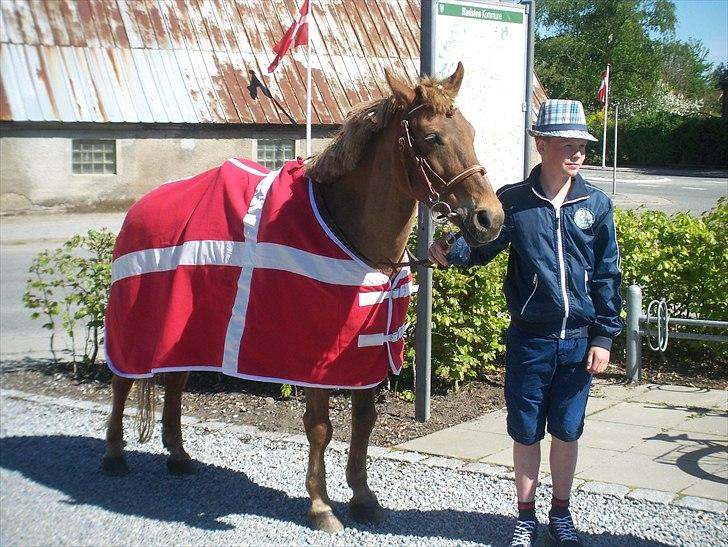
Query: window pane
272,153
93,156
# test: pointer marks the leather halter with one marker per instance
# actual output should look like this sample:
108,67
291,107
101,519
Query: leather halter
416,164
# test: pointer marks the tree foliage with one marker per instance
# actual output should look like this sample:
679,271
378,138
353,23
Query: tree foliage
576,39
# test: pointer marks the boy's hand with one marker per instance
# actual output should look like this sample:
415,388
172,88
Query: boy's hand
597,360
437,253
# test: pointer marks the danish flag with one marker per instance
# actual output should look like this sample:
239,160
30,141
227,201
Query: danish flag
602,92
297,33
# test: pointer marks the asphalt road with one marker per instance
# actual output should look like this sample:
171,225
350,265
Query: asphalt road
667,191
22,237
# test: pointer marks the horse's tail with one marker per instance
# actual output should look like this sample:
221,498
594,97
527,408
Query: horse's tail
146,401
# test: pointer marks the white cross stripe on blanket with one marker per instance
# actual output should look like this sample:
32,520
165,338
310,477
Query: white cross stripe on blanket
190,253
334,271
236,326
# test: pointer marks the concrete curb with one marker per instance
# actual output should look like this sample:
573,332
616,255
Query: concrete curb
403,456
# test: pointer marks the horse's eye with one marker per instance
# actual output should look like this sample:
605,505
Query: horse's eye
433,138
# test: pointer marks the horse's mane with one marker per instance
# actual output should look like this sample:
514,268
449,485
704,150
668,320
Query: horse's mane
367,119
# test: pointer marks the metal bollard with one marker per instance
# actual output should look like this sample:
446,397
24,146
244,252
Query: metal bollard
634,343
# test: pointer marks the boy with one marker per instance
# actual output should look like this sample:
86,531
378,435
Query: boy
562,290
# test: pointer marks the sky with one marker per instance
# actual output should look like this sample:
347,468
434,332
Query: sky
707,21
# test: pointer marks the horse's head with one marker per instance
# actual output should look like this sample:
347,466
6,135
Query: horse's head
437,150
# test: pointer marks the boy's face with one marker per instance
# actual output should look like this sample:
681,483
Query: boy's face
561,156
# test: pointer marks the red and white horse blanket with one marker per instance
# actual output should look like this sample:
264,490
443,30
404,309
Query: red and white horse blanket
234,271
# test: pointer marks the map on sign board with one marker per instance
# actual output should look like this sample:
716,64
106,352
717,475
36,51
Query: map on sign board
490,40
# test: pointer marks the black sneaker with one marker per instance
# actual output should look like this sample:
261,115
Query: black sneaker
563,532
525,533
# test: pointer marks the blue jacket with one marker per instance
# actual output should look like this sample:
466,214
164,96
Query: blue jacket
563,267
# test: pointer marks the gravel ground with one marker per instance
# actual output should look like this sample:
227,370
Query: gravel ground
249,491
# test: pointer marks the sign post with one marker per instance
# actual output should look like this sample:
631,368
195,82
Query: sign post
491,40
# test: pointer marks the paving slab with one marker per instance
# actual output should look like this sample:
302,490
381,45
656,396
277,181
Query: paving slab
715,490
608,435
440,461
681,444
702,504
655,496
681,396
639,471
619,392
458,443
605,488
493,422
711,423
485,469
588,457
644,414
597,404
403,456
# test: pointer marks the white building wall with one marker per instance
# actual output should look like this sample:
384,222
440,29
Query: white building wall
35,172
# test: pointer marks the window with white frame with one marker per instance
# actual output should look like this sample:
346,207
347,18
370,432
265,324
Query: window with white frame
272,153
93,156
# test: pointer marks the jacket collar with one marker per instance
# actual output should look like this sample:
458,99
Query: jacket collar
577,192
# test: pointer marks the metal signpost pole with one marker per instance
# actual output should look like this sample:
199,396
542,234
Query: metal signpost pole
423,365
614,169
606,117
531,9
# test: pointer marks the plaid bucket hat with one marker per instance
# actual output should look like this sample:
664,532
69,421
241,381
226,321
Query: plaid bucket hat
561,118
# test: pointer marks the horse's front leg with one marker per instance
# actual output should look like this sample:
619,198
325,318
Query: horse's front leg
364,506
178,462
319,431
114,462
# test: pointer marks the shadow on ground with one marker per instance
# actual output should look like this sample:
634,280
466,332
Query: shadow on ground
70,464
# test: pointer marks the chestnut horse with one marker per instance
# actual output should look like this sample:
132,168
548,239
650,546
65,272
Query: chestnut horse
390,154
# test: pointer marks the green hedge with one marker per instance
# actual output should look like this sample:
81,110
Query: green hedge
681,258
664,140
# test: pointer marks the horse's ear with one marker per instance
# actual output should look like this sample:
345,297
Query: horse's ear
456,79
404,93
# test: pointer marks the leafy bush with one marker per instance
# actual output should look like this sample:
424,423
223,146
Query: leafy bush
468,318
680,258
661,138
69,289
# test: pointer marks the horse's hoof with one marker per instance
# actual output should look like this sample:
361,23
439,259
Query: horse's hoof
326,522
114,466
181,467
366,512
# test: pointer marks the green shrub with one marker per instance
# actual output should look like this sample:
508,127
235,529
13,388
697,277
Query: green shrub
680,258
468,318
664,139
70,288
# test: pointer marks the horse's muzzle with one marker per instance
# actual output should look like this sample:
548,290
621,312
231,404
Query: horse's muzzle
482,226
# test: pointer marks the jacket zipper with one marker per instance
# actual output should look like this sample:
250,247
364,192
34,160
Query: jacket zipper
562,272
586,281
535,286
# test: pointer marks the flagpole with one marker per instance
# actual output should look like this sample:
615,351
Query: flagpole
308,90
606,115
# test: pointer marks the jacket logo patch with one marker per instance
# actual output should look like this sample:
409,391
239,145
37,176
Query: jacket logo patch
584,218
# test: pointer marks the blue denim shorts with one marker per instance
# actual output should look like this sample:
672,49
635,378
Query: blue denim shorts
546,383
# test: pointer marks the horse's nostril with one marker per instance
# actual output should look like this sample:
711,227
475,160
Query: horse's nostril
482,220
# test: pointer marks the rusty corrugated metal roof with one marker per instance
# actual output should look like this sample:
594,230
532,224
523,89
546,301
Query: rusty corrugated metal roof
197,61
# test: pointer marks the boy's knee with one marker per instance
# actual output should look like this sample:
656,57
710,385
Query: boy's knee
567,434
525,432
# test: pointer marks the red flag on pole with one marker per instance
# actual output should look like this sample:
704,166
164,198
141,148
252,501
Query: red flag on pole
297,33
602,92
